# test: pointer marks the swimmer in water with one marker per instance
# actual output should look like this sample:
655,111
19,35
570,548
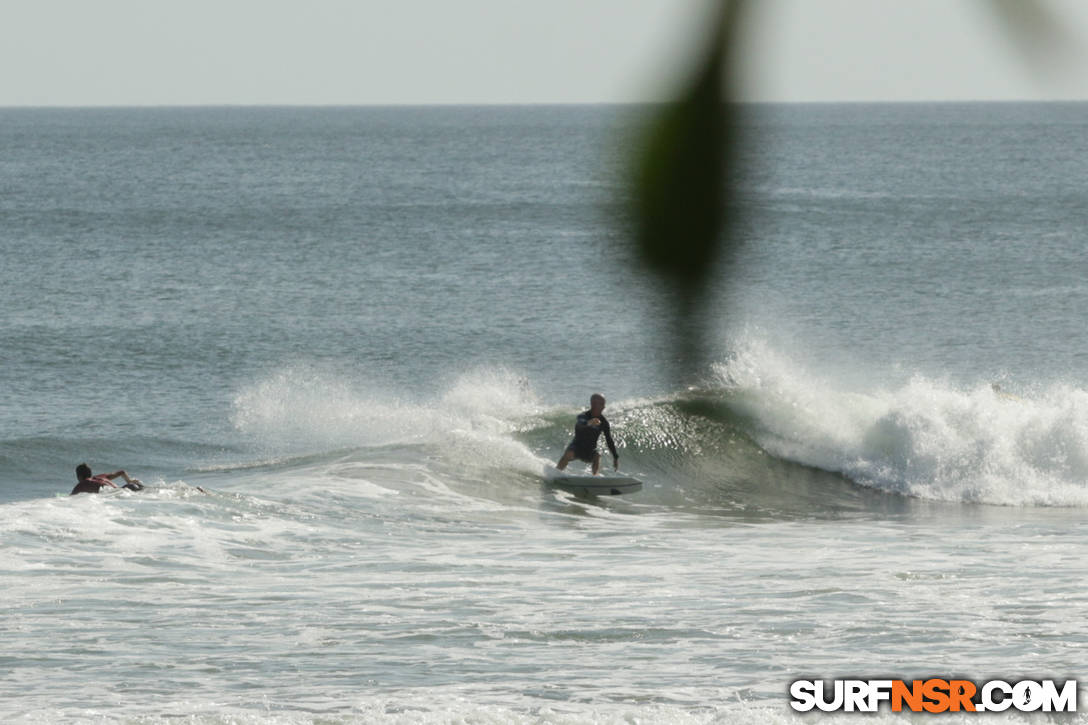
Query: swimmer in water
88,483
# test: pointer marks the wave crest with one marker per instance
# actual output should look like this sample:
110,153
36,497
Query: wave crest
925,438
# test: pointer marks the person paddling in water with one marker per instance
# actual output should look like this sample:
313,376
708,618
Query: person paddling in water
91,484
587,430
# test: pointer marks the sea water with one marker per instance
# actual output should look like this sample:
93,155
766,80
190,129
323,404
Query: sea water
341,345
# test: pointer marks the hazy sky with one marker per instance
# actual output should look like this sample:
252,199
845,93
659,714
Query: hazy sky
140,52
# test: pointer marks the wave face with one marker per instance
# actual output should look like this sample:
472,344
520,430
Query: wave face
489,434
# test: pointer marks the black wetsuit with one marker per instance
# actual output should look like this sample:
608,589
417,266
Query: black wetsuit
584,444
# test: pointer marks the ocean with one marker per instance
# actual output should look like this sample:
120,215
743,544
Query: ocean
342,345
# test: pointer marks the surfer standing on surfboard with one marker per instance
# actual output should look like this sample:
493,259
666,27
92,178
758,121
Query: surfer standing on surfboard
92,484
587,430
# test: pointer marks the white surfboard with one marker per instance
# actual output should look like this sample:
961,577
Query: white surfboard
585,485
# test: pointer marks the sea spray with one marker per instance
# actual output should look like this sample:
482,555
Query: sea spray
303,409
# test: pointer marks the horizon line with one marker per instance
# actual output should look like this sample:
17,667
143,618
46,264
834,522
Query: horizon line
531,104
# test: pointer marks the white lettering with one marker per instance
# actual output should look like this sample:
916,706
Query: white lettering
880,690
1064,701
1027,696
836,702
855,695
803,693
989,704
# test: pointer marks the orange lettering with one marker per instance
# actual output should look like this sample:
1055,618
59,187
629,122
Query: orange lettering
936,691
961,692
911,695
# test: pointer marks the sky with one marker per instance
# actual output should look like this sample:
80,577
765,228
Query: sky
352,52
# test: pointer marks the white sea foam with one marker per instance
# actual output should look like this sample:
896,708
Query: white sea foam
927,438
303,409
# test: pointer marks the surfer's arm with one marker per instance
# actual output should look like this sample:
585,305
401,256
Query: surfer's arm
607,430
121,474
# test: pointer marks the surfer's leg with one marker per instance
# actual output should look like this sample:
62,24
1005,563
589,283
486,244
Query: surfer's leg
596,463
568,456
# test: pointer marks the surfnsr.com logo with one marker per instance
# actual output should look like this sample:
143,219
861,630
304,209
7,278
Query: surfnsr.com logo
933,695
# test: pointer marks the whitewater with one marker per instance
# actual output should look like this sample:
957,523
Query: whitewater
342,346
